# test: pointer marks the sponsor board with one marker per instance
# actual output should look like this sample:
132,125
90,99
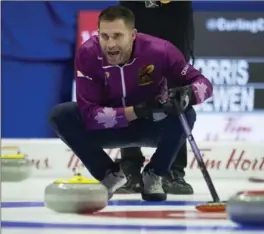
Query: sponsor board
87,26
229,127
51,158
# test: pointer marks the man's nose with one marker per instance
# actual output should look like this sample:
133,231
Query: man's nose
111,43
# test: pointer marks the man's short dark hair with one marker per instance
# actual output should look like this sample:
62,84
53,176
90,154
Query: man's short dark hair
117,12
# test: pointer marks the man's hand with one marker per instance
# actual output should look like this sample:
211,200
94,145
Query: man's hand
179,99
147,110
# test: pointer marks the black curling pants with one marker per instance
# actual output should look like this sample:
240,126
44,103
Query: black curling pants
167,136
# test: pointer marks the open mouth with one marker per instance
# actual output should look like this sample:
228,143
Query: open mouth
113,53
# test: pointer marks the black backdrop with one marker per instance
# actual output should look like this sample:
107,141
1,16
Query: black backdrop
229,50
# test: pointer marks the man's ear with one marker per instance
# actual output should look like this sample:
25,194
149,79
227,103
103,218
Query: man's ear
134,33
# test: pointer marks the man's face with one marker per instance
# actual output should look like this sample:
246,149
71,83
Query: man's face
116,40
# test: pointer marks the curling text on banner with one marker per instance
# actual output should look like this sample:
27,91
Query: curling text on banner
230,160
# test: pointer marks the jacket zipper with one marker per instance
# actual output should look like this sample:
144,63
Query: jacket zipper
123,86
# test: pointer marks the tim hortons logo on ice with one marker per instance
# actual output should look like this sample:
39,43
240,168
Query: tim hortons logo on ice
236,159
233,129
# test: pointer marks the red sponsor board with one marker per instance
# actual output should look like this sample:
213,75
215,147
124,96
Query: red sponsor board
87,25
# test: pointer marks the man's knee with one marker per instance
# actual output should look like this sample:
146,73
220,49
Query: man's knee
63,113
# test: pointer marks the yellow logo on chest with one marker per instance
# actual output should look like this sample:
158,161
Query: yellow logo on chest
165,1
145,75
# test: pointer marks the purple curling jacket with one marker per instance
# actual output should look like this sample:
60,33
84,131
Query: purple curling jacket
103,90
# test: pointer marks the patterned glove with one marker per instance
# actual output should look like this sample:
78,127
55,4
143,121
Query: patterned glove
149,110
180,99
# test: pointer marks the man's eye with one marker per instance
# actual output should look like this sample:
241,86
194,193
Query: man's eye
117,36
105,37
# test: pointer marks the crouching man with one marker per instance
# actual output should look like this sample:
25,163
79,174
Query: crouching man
130,88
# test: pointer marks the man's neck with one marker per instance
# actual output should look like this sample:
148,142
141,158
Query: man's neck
128,59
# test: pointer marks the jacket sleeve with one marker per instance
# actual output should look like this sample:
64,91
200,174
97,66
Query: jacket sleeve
181,73
90,94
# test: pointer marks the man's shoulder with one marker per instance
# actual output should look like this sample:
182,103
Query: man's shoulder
152,44
157,50
154,48
90,48
88,57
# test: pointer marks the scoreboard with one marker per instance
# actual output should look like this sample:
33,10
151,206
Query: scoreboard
238,84
229,51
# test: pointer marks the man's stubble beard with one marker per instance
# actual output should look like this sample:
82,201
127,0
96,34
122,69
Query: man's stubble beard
128,54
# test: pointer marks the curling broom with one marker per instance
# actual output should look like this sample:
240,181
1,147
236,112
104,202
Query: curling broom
216,205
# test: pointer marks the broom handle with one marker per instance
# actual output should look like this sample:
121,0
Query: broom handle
198,157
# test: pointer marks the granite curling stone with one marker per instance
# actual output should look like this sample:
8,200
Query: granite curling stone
247,208
76,195
15,168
